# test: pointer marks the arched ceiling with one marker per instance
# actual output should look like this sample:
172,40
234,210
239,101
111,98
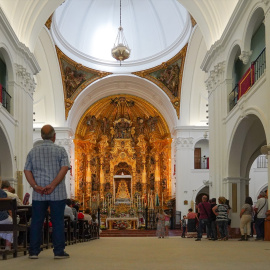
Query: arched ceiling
121,85
113,109
155,32
29,16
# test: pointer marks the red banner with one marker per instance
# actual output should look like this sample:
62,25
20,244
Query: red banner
246,82
1,89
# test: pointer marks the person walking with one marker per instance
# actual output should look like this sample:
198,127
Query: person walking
204,209
246,214
45,169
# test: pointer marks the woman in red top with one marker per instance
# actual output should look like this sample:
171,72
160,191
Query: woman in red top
191,225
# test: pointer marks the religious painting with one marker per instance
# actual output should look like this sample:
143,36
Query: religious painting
168,76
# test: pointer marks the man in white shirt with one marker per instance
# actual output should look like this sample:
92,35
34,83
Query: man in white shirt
69,211
260,209
7,188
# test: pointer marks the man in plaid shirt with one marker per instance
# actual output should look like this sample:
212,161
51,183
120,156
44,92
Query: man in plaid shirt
45,169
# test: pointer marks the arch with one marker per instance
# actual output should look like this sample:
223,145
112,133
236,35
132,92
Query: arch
204,190
248,137
7,57
255,19
233,54
122,84
262,188
6,154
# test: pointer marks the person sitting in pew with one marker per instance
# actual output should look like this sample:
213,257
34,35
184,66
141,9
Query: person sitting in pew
5,218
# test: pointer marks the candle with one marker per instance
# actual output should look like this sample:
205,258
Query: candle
83,200
162,200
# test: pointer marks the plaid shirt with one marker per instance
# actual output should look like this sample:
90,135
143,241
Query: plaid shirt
45,162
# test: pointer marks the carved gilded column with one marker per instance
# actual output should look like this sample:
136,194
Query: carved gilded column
102,150
143,146
157,175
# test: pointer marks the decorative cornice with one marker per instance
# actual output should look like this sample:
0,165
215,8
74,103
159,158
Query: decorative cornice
75,78
25,79
245,56
184,142
216,76
168,76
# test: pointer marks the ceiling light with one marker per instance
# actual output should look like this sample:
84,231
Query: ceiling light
120,51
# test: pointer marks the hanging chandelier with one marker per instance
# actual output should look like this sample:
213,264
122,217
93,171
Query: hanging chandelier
120,51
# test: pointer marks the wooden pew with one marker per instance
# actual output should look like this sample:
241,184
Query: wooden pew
11,205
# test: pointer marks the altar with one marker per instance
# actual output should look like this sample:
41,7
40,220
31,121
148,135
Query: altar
122,223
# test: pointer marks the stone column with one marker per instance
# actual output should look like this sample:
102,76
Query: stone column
266,151
184,157
217,107
22,89
235,190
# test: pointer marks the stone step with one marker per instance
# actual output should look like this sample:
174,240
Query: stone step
135,233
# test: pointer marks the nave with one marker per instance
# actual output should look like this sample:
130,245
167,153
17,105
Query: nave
122,253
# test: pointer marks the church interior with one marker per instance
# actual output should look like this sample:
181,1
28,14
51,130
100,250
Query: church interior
181,112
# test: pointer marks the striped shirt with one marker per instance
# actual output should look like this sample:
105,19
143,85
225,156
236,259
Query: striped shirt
222,210
45,162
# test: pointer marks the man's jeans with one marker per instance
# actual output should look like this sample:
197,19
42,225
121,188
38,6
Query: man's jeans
259,227
213,229
39,209
202,224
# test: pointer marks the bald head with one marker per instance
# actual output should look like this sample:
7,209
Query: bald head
48,133
204,198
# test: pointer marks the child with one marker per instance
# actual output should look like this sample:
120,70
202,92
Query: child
184,226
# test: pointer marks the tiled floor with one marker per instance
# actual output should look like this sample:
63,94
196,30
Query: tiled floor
143,253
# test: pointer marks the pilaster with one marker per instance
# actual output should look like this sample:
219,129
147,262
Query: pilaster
184,157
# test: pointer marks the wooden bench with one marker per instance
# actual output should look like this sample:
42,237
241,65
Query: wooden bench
11,206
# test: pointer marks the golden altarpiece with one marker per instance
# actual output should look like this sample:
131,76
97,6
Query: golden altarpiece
122,154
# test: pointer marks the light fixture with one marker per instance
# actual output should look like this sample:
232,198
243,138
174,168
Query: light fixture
120,51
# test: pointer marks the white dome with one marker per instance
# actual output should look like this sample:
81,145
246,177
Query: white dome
155,31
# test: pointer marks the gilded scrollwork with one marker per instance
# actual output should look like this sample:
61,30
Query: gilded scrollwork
122,139
168,76
75,77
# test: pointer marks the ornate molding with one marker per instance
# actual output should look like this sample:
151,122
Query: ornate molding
266,2
216,76
75,78
184,142
25,79
168,76
245,56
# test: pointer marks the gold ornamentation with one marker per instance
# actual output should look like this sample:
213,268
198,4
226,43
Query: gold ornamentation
75,77
122,135
49,22
168,76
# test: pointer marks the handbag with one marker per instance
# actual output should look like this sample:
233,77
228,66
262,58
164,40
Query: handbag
256,214
209,218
